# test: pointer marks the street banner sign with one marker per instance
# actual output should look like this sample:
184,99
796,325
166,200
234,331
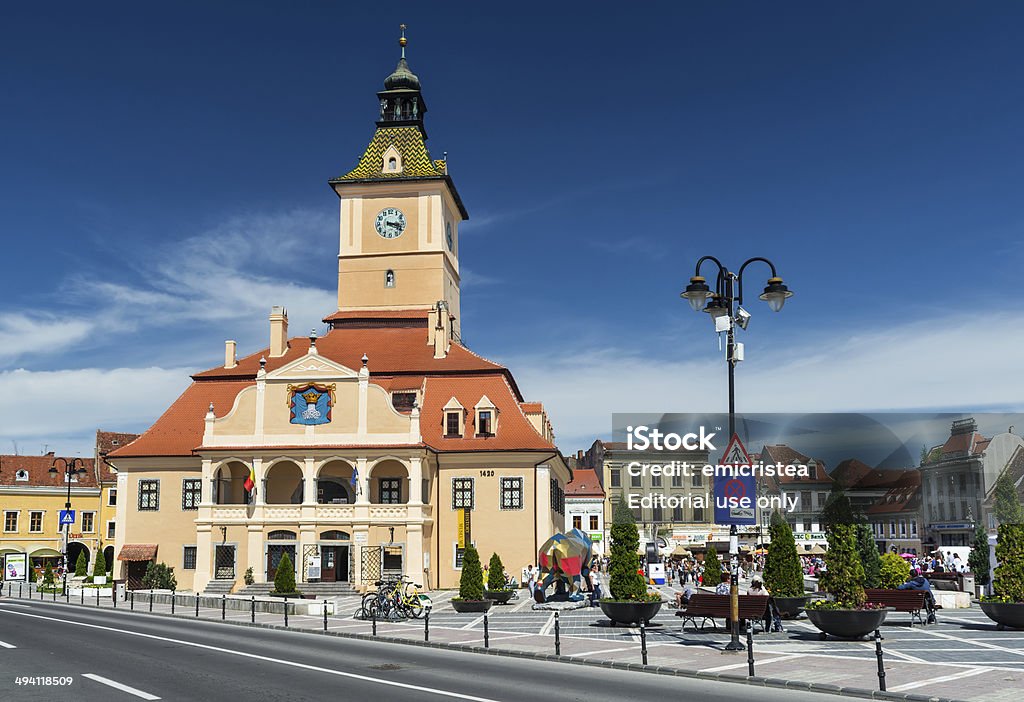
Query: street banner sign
460,527
67,516
735,496
15,566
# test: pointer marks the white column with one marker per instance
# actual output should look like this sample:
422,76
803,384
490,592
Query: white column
415,481
257,466
542,495
254,552
363,482
414,553
204,557
309,486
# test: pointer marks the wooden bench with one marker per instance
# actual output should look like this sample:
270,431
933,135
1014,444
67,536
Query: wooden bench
707,606
911,601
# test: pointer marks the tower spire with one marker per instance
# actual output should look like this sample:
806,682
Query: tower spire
403,41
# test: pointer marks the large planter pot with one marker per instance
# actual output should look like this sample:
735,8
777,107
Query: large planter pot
474,606
630,612
790,607
1005,614
846,623
292,595
499,596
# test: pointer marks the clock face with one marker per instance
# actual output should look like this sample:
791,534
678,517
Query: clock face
390,223
448,236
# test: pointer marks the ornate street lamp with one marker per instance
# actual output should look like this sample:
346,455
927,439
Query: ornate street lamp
725,306
71,470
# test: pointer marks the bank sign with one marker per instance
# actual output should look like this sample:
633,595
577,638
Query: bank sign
735,496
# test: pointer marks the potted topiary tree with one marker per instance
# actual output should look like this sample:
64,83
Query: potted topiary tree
869,555
48,580
284,578
496,589
978,562
712,568
99,569
471,584
81,566
1006,606
894,571
159,576
846,613
783,575
629,603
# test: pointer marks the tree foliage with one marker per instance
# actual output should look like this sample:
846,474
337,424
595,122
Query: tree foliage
1007,505
48,575
1008,582
624,580
712,568
844,573
159,576
284,577
783,575
495,573
838,510
869,555
978,562
471,583
81,565
893,571
99,566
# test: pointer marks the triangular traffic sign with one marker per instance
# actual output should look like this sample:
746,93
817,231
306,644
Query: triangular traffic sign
735,453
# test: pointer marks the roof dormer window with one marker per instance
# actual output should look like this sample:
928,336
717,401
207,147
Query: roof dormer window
454,419
391,160
486,417
21,475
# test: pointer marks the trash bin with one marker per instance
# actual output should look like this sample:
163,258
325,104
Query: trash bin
120,590
967,583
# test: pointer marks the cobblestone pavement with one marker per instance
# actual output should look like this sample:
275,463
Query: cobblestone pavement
961,657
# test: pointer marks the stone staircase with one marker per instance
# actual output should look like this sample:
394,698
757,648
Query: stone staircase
320,590
219,587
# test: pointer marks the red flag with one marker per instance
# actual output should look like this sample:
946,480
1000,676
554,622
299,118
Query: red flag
250,481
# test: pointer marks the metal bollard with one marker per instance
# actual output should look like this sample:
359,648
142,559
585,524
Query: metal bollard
174,596
643,642
115,596
881,665
487,636
373,616
133,600
286,612
150,600
325,615
55,595
81,591
426,626
223,607
197,604
750,649
252,610
67,593
558,641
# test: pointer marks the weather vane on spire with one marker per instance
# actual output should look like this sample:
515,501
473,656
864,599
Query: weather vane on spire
403,41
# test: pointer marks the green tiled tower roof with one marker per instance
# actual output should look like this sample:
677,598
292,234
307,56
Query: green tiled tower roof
410,143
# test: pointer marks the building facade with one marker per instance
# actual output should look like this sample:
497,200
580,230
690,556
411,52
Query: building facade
355,453
30,504
584,507
808,495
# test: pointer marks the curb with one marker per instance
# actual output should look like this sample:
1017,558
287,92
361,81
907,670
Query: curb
756,681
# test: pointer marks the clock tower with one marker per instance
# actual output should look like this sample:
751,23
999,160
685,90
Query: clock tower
400,213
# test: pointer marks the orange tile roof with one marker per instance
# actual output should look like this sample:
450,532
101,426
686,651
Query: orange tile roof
38,468
137,552
377,314
180,428
584,484
390,351
513,430
532,407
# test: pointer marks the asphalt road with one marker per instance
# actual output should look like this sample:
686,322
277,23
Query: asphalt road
162,658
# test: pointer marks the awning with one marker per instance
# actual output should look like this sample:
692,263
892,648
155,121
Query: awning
680,551
137,552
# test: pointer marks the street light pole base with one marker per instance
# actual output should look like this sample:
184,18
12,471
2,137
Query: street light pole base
734,647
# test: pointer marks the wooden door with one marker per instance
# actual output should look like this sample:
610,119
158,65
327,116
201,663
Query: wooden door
328,564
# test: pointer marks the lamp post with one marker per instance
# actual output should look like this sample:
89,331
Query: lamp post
725,305
71,470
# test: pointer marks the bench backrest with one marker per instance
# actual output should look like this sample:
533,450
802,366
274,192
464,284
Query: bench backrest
751,606
896,598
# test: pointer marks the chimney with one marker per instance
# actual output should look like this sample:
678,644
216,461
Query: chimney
230,359
278,331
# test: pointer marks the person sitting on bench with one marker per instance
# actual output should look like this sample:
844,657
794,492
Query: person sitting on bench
684,595
921,583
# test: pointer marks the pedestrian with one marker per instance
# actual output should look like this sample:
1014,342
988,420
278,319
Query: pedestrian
725,585
595,586
921,583
531,579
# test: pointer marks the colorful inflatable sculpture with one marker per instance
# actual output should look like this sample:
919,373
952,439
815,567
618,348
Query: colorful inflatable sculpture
562,559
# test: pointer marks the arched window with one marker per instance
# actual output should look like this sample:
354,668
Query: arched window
281,535
389,279
334,535
392,164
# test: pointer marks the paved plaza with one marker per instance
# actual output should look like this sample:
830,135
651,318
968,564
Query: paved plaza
961,657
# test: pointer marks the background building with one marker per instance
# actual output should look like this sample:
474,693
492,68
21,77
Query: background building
584,507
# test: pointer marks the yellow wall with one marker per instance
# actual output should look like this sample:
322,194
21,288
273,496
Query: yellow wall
50,501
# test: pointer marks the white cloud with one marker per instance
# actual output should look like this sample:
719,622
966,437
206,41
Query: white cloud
38,332
969,362
64,408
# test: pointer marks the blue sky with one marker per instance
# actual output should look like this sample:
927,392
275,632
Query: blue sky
874,151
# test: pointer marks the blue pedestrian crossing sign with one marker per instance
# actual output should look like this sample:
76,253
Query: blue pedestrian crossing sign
67,516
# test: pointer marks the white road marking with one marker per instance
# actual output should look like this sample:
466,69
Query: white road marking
548,626
243,654
4,644
604,650
976,642
119,686
942,679
474,622
899,654
744,665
